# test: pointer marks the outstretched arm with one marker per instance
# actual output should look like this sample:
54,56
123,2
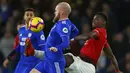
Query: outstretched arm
13,53
92,34
108,52
10,57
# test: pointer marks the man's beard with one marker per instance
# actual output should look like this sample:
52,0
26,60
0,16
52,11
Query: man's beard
56,18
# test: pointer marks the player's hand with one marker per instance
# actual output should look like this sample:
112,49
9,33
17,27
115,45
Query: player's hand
29,51
118,71
5,63
54,49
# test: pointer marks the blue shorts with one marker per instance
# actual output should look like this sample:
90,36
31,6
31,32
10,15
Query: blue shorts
46,66
24,68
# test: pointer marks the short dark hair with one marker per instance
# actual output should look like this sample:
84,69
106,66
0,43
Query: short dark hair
20,22
29,9
102,15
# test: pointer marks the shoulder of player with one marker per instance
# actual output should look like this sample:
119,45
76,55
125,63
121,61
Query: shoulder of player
22,27
99,29
62,23
37,33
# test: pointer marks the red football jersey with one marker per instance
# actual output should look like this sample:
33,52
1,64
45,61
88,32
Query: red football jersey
92,48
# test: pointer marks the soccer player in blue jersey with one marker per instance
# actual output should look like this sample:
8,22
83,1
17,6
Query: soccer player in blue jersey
37,39
58,39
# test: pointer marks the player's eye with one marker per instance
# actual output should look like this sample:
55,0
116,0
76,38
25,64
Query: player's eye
31,14
97,18
27,14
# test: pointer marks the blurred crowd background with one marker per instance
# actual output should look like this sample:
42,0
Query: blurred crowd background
118,26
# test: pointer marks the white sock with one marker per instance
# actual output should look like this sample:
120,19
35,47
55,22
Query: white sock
39,54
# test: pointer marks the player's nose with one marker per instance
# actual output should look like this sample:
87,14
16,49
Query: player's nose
29,18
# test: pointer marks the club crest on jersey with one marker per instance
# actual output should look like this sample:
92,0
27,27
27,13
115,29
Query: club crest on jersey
65,30
42,37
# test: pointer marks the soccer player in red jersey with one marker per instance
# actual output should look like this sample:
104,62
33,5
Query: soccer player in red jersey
96,41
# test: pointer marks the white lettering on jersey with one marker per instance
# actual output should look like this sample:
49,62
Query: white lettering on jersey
65,30
63,22
22,43
42,37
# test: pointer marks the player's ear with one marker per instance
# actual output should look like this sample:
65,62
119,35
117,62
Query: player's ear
62,12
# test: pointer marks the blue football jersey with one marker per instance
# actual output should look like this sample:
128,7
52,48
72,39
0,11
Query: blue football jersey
59,37
37,40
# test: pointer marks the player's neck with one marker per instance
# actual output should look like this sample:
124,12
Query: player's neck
100,27
27,26
63,18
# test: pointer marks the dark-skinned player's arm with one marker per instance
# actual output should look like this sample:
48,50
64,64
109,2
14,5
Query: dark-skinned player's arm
94,34
107,50
13,53
10,57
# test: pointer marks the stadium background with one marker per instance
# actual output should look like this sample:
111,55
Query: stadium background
118,12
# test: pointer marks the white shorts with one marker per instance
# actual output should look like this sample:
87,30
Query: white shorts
80,66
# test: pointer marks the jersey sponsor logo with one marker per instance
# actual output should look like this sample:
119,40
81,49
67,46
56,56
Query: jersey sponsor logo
23,39
65,30
22,43
29,35
42,37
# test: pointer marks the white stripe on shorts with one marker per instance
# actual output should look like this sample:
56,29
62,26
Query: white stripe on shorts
57,67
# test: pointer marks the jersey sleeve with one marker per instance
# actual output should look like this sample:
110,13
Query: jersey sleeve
63,31
74,31
97,32
106,45
62,28
40,38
